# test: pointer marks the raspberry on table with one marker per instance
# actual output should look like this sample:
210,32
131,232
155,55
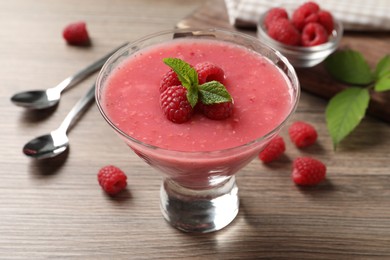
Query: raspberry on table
314,34
274,14
76,34
304,14
273,150
325,18
112,179
168,80
218,111
308,171
208,71
284,31
302,134
175,105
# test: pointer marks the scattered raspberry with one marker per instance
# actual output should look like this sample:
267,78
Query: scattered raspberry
302,134
326,19
284,31
112,179
314,34
274,14
175,105
304,14
168,80
273,150
76,34
208,72
218,111
308,171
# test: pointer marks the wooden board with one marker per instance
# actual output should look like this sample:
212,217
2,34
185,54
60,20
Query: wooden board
316,80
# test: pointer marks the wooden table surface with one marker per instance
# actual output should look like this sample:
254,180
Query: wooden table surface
55,209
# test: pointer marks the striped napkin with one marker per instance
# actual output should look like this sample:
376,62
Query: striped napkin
355,15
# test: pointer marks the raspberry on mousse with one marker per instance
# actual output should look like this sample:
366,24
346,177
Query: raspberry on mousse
201,88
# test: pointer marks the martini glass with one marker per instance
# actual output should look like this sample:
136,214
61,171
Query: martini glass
198,191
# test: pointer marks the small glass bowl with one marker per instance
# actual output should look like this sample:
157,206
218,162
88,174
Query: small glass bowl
299,56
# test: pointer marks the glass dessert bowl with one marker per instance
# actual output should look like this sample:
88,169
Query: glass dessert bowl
300,56
198,192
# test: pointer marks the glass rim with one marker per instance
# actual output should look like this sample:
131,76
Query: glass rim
293,81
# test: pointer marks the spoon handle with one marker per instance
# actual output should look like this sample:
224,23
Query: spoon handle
73,80
79,107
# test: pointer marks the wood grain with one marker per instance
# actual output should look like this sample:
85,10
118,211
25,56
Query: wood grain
54,209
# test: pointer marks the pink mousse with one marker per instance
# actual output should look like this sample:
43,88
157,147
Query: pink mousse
262,97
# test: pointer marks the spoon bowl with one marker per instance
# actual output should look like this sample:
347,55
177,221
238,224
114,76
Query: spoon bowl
43,99
57,142
47,146
37,99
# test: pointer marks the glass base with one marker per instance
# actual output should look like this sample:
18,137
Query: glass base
199,211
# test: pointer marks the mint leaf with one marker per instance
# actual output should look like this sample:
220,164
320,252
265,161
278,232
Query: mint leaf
345,111
383,67
213,92
383,83
193,97
349,66
187,76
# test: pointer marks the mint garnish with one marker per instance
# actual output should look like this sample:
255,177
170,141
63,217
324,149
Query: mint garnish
346,109
212,92
187,76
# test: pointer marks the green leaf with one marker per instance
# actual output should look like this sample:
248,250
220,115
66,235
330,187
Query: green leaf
213,92
349,66
186,74
193,96
383,67
345,111
383,83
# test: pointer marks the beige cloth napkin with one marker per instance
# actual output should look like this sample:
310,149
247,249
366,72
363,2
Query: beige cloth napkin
354,14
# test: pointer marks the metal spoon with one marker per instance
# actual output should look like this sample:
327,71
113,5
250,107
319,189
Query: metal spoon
41,99
53,144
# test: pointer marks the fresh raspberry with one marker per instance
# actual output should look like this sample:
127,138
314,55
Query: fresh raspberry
302,134
76,34
308,171
325,18
208,71
175,105
168,80
217,111
274,14
314,34
304,14
273,150
283,31
112,179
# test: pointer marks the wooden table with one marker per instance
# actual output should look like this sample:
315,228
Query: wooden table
55,209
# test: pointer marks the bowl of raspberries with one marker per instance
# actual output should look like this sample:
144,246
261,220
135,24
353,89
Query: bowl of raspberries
306,35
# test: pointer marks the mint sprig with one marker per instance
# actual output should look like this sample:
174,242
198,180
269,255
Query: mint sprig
346,109
212,92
